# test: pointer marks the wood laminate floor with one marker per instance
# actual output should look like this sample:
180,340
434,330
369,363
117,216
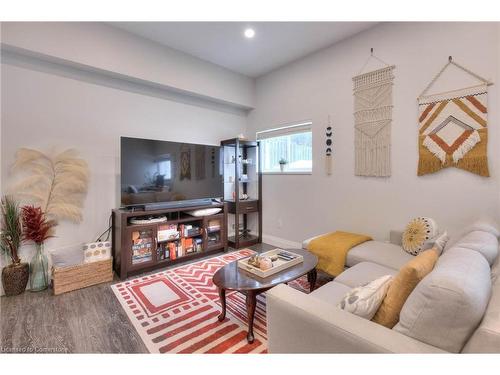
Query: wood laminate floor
89,320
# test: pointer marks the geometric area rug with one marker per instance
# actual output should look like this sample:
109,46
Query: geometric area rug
175,310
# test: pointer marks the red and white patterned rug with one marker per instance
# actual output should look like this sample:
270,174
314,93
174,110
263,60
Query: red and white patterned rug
175,311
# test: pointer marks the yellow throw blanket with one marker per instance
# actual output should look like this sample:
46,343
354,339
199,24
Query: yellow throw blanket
332,248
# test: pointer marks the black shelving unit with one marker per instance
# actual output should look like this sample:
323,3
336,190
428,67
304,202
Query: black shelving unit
243,190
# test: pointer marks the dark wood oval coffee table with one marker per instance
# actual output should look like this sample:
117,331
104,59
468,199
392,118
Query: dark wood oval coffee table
230,277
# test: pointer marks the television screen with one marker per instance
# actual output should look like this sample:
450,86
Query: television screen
160,171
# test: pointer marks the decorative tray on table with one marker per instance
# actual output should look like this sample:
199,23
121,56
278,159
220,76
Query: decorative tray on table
281,260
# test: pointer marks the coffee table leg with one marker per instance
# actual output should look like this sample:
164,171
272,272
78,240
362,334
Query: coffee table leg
222,295
311,277
251,303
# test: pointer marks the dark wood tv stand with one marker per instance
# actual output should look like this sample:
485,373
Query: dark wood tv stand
139,248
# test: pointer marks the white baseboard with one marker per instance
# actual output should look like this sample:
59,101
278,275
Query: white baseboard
280,242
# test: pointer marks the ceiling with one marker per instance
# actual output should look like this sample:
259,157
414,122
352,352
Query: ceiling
222,43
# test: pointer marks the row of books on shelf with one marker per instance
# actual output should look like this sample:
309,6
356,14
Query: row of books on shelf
142,246
170,232
213,226
214,238
177,249
142,252
143,242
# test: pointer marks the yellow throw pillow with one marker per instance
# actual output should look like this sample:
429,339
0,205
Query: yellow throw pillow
402,285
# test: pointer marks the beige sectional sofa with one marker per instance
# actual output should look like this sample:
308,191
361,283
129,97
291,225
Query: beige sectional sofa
456,308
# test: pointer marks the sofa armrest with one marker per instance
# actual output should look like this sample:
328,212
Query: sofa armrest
305,243
396,237
299,323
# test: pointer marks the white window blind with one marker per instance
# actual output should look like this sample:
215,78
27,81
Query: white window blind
290,143
285,130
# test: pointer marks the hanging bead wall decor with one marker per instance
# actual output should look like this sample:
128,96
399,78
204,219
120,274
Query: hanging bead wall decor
329,147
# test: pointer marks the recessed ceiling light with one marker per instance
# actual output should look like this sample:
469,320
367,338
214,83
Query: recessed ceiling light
249,33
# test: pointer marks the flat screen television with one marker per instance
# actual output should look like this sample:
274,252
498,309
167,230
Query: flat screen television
154,172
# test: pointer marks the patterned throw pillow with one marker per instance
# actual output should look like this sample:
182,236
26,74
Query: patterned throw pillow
365,300
96,251
419,235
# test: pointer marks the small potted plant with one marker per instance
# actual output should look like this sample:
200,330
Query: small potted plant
37,228
15,275
282,162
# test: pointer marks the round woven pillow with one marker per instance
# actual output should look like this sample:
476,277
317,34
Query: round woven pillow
418,235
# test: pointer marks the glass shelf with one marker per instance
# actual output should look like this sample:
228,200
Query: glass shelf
235,152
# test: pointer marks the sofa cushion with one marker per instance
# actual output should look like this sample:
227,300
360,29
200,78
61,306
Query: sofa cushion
486,338
448,304
495,270
402,285
331,292
484,226
483,242
383,253
363,273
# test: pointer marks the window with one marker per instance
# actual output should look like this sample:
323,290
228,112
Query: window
291,143
164,167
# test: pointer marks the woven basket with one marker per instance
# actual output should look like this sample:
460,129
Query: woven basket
81,276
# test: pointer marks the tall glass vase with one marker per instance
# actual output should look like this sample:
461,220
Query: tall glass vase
39,275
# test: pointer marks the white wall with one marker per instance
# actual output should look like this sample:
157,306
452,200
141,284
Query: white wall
99,46
43,108
321,84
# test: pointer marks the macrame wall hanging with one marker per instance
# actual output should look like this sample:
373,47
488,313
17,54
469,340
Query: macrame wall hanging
372,120
452,127
329,148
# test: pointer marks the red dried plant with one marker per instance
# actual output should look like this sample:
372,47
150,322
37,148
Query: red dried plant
36,226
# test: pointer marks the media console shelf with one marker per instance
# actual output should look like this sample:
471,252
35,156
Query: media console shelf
144,247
